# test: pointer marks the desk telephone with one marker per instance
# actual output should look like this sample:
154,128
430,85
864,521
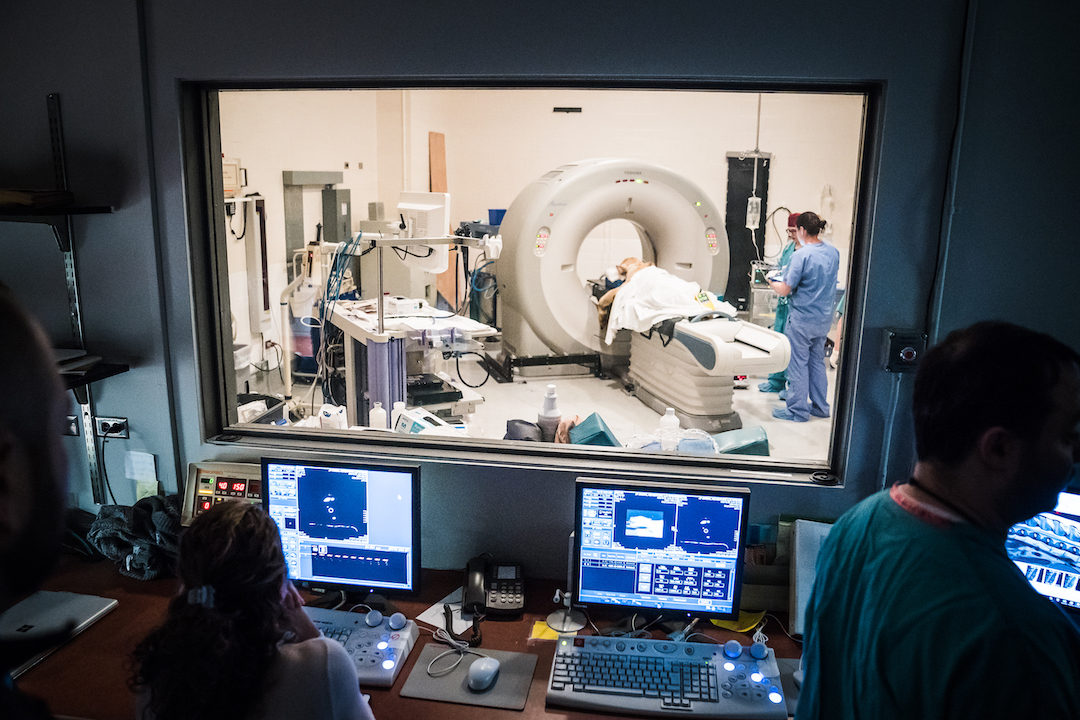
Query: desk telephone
492,588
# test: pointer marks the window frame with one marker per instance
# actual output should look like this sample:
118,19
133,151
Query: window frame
205,215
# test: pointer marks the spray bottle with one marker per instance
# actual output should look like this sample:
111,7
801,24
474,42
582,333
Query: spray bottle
549,416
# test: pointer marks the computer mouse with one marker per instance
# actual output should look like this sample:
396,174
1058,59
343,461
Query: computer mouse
482,673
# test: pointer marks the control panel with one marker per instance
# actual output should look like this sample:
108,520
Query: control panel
378,645
213,482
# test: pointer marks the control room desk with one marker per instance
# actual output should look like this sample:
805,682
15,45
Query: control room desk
87,678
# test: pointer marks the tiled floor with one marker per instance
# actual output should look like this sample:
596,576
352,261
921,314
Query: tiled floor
624,413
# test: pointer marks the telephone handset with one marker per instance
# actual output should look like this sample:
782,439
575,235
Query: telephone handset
493,588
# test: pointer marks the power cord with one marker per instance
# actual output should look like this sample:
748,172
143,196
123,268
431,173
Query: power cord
107,429
458,647
457,366
783,629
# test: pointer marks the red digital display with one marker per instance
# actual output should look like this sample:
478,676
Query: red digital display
206,504
238,487
223,485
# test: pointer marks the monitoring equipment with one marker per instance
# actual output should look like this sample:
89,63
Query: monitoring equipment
1046,548
209,483
346,526
677,549
673,548
426,215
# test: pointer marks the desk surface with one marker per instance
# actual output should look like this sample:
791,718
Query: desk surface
87,678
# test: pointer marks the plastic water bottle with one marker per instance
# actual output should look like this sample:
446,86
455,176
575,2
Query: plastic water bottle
669,430
377,416
549,416
669,420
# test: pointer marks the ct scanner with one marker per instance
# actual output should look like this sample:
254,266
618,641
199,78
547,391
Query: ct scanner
546,309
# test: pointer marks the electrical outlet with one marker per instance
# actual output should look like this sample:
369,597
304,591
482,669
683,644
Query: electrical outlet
111,427
72,426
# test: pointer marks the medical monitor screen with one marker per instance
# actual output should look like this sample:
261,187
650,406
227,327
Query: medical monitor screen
675,548
346,526
1046,548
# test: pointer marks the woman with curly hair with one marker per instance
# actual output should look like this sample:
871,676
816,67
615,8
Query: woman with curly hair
236,642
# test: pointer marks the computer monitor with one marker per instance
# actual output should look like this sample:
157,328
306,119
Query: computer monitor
672,547
347,526
1046,548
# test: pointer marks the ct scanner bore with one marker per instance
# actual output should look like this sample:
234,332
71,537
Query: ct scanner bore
545,308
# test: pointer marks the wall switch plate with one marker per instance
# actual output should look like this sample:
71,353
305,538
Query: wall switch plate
72,426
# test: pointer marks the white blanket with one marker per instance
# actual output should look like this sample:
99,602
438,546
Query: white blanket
653,294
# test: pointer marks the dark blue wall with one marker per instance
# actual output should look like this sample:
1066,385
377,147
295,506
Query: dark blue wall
1013,176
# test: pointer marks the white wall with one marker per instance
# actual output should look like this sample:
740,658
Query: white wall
499,141
814,139
274,131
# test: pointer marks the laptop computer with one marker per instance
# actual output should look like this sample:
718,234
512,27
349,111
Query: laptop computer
1046,548
33,629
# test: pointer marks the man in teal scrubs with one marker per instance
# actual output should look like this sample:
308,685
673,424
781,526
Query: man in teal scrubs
917,612
778,380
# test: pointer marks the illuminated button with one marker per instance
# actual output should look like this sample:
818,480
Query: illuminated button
383,645
540,245
388,664
776,697
729,666
757,677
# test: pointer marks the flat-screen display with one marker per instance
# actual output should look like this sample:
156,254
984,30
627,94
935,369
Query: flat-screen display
346,525
1046,548
671,547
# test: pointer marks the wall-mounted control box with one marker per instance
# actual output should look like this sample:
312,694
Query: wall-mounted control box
903,350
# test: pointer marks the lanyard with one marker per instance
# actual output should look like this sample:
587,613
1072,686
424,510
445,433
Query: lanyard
916,484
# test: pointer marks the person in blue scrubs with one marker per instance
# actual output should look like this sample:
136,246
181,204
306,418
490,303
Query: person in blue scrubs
777,381
809,283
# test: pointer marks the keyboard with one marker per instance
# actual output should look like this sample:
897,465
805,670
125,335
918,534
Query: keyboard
377,647
661,677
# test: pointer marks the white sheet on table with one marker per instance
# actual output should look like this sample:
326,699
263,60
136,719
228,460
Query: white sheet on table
653,294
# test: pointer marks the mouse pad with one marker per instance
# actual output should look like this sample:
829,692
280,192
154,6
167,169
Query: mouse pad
510,691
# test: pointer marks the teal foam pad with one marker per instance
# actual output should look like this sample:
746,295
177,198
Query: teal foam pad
744,441
593,431
510,691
